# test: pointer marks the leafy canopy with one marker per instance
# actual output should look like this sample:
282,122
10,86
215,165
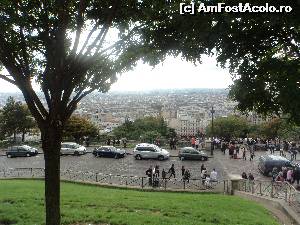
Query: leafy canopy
77,127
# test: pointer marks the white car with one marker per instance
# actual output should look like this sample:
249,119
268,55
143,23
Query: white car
150,151
72,148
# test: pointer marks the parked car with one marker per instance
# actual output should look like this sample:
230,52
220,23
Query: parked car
150,151
109,151
22,150
191,153
268,162
72,148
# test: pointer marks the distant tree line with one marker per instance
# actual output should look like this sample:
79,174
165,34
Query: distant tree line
145,129
15,118
236,127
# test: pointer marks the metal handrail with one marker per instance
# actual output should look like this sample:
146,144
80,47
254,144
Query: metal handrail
122,180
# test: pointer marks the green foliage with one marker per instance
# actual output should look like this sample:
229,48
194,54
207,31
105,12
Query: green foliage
229,127
22,201
276,128
147,129
78,127
15,118
262,51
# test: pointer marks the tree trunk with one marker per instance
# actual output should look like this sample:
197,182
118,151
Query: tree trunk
51,142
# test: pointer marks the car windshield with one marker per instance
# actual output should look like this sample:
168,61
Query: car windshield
112,148
157,148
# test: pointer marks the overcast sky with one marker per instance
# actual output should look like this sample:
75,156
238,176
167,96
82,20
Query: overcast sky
172,74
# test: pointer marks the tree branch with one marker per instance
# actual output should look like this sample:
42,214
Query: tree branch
80,22
73,104
5,77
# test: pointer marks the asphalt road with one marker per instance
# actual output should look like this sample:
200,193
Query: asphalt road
129,166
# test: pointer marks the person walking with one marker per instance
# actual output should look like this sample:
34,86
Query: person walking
289,176
172,171
193,142
197,142
182,171
244,153
296,174
186,176
252,152
202,168
163,174
149,173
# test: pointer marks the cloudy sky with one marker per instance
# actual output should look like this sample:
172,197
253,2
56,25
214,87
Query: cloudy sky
172,74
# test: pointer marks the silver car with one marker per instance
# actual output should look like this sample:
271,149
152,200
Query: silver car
72,148
150,151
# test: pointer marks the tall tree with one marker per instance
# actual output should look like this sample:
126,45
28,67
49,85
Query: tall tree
229,127
16,118
43,41
78,127
66,47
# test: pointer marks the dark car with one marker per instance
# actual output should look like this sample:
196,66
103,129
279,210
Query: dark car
191,153
109,151
268,162
22,150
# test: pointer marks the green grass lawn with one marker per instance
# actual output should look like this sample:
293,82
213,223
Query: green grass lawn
22,203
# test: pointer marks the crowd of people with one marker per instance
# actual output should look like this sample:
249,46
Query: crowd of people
286,174
154,178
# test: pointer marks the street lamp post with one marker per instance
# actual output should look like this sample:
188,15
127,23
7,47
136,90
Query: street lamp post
212,111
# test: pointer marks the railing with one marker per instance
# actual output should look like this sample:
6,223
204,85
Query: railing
121,180
279,190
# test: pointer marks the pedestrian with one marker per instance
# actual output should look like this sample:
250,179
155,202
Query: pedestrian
202,168
274,173
244,153
156,176
279,177
172,171
197,143
193,142
223,147
171,143
213,176
108,141
244,175
289,176
124,141
186,176
182,171
251,177
252,152
284,172
163,174
281,152
149,173
296,174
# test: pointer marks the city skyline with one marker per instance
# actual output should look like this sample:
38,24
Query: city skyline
173,73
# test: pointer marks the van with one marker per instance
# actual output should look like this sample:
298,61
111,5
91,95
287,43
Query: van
268,162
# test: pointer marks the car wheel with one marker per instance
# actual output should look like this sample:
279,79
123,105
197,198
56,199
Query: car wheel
161,158
27,154
9,156
116,156
76,153
138,157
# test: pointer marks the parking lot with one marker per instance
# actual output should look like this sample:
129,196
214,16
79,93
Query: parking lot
129,166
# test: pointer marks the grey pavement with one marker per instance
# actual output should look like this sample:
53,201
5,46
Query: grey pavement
131,167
